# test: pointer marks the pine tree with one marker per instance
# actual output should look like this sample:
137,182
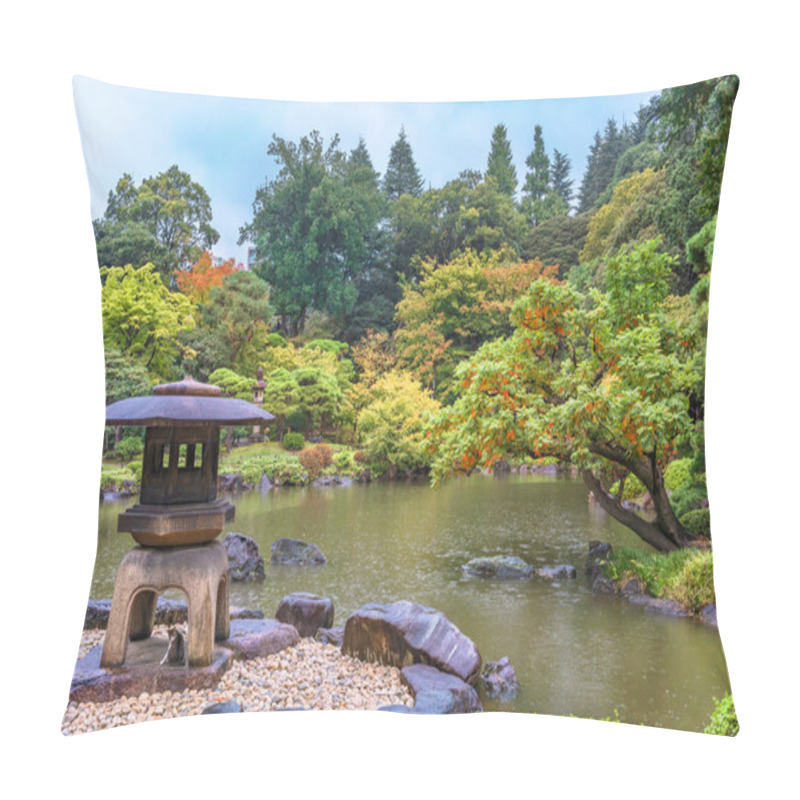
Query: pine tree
560,180
499,165
537,180
402,176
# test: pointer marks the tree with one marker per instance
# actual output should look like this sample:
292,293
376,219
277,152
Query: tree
392,424
237,315
559,178
601,165
142,318
601,382
456,307
558,240
170,207
402,176
539,200
499,165
314,227
197,280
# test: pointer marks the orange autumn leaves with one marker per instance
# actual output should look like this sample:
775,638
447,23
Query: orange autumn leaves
200,278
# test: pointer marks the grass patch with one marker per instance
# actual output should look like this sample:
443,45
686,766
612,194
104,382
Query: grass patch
683,575
724,721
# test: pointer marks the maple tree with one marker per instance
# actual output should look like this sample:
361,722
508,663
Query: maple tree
601,381
201,277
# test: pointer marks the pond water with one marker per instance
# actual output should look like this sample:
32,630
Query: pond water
575,653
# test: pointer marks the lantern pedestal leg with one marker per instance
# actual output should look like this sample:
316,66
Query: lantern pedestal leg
200,571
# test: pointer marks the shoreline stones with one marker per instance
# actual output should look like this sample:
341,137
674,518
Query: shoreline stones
405,633
257,638
307,612
499,680
295,552
245,563
498,567
437,692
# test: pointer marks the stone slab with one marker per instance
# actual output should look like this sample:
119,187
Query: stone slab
142,672
257,638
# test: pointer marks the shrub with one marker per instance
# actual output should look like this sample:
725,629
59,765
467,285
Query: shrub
128,448
693,585
634,488
276,340
293,441
698,522
723,720
677,474
360,456
315,459
342,460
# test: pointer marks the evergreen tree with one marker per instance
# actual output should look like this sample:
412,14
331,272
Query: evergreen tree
561,182
537,180
402,176
359,157
499,165
598,180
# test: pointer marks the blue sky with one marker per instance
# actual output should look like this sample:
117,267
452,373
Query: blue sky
222,142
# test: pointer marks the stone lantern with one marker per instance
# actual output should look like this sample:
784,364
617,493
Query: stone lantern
258,400
178,516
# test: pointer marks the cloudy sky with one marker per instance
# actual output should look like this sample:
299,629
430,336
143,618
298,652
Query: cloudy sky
222,142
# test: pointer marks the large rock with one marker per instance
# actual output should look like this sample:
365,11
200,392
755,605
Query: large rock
437,692
230,482
307,612
499,679
228,707
499,567
244,561
256,638
405,633
334,636
295,552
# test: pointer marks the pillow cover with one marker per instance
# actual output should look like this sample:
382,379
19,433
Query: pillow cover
405,407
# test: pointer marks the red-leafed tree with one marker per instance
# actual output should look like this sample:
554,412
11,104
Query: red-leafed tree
200,278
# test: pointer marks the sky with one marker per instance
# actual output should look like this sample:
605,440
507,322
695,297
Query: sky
222,142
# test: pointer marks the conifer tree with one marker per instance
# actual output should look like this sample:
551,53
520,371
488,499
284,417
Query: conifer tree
561,182
499,165
402,176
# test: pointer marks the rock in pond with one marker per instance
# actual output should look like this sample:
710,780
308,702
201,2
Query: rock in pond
709,615
245,563
437,692
599,553
230,482
307,612
405,633
561,571
499,567
499,680
295,552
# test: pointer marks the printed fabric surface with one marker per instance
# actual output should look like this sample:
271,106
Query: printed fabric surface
404,407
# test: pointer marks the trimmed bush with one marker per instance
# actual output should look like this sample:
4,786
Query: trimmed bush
698,522
294,441
723,719
678,473
315,459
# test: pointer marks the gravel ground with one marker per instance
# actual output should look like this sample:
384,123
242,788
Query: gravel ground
310,675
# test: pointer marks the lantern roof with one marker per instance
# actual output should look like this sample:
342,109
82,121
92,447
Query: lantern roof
185,403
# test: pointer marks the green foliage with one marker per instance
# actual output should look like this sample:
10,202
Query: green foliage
329,346
237,317
128,448
724,721
315,227
402,176
678,473
166,220
698,522
633,489
232,384
142,319
293,441
112,480
684,575
276,340
125,377
597,380
499,165
343,460
391,426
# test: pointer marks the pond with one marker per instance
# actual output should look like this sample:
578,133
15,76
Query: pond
575,653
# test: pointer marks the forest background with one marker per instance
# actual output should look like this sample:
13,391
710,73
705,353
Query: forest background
749,395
